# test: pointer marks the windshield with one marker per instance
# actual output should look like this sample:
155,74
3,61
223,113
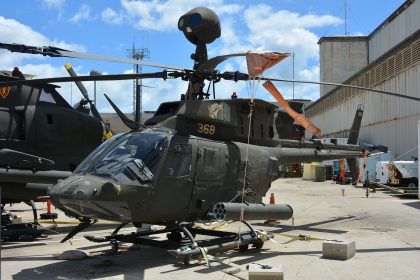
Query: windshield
84,165
132,159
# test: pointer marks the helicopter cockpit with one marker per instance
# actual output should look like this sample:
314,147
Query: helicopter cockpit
129,160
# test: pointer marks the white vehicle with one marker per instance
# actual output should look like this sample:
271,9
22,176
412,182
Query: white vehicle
403,173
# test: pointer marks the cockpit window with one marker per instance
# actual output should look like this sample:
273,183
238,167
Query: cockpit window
87,162
46,97
50,95
179,164
132,159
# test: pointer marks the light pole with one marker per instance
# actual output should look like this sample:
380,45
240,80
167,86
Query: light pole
95,73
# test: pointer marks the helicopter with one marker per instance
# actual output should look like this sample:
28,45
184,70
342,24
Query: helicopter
42,138
40,143
196,159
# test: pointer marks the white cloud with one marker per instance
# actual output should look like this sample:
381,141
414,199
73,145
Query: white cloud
54,4
163,15
283,31
305,91
12,31
311,73
257,27
110,16
82,14
243,28
254,27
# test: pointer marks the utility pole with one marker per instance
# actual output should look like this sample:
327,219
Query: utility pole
137,54
95,73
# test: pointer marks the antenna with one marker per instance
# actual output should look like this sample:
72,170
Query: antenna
293,74
137,54
345,18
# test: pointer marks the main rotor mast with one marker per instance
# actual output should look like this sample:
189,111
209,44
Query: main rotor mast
200,26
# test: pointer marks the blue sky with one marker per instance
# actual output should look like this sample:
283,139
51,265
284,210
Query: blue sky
110,27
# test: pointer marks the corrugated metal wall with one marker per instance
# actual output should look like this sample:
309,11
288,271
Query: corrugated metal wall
388,121
395,32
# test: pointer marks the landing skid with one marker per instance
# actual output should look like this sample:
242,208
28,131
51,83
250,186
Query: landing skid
187,250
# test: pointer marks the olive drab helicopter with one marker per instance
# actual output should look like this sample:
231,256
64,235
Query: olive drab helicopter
196,159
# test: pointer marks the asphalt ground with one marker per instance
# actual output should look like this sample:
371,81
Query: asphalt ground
385,227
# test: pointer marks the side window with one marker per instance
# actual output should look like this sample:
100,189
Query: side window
180,161
210,160
50,95
46,97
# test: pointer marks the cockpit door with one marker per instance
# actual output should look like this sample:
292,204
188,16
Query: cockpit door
210,176
175,183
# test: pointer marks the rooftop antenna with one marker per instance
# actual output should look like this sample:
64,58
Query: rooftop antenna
346,33
293,74
137,54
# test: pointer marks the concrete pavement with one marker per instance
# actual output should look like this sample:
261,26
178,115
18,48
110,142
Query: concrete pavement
386,230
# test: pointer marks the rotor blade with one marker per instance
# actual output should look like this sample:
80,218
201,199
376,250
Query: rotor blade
212,63
236,76
115,77
129,123
83,90
115,59
342,85
299,118
57,52
79,84
21,48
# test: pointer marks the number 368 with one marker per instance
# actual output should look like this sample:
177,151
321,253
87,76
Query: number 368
206,128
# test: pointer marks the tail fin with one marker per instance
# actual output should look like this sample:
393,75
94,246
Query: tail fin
355,128
353,136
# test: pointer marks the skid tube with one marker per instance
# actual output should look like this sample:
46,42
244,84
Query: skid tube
186,251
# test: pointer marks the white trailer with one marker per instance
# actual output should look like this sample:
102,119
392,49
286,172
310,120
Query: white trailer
403,173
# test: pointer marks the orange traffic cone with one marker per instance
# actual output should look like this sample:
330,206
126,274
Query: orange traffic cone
272,201
49,215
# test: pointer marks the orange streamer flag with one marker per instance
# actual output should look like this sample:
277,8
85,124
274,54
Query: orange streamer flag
299,118
258,62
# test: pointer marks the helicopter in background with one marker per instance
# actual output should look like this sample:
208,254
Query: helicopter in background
43,138
195,159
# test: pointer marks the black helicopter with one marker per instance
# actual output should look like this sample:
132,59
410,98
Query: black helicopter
196,159
42,138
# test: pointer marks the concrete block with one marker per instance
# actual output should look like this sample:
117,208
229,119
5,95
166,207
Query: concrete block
338,250
265,272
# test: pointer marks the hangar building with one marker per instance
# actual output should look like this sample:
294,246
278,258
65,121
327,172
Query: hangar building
387,59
